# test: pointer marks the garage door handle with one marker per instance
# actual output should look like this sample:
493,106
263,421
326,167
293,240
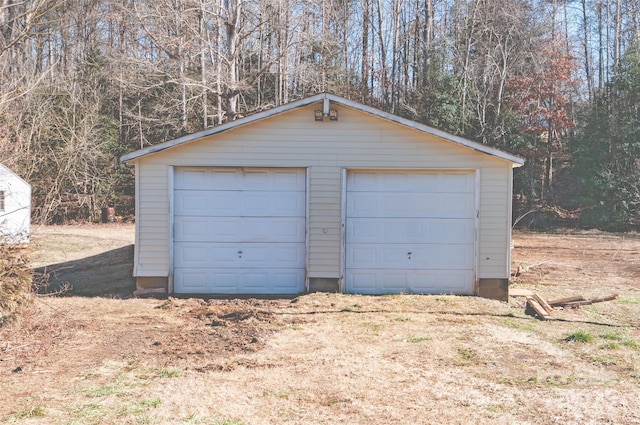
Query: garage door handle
239,254
409,255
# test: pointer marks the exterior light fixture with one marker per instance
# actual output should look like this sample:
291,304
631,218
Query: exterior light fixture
333,114
318,115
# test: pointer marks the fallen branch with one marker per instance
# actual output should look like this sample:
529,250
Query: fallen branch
564,301
582,302
537,306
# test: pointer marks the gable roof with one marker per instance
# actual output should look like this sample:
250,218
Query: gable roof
516,161
4,170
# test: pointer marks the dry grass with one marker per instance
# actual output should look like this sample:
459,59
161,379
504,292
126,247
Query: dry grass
15,283
332,358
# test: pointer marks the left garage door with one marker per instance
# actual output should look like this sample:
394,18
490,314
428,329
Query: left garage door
239,230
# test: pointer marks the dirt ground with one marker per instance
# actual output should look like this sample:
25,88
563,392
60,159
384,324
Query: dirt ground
99,356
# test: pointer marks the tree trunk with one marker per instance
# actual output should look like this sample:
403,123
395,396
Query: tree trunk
232,25
364,71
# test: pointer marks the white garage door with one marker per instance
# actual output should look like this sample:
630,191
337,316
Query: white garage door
410,232
239,231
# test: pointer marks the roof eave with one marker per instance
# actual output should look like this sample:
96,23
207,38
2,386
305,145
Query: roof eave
516,161
13,173
222,127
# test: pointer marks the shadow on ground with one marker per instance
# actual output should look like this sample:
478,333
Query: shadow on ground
108,274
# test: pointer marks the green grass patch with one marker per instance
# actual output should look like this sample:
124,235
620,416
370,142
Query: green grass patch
419,339
610,346
526,326
618,340
467,354
104,390
603,361
375,327
195,419
401,319
559,380
631,344
87,411
169,373
539,381
612,336
141,407
29,412
629,299
444,300
497,408
579,336
198,419
156,402
275,394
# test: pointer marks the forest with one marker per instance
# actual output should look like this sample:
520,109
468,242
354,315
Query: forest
556,82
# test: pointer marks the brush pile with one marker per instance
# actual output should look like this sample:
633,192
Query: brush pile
15,283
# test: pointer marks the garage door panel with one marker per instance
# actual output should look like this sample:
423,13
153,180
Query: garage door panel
414,182
459,231
191,281
413,257
240,229
234,281
410,230
443,282
265,204
239,179
275,180
278,281
192,203
223,203
233,255
381,281
430,205
376,282
189,178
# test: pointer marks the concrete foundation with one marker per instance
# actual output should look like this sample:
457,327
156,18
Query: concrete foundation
321,284
151,286
495,289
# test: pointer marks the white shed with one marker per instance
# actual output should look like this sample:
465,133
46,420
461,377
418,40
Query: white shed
323,194
15,207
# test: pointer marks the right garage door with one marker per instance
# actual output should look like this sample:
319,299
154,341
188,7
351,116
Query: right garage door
410,232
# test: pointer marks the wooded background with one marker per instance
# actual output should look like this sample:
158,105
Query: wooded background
556,82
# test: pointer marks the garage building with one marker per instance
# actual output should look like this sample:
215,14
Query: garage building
323,194
15,208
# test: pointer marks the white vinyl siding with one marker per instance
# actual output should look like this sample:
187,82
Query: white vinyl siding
152,220
495,223
294,139
325,221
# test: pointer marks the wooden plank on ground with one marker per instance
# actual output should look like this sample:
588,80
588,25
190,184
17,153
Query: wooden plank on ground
602,299
543,303
519,292
567,300
534,305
